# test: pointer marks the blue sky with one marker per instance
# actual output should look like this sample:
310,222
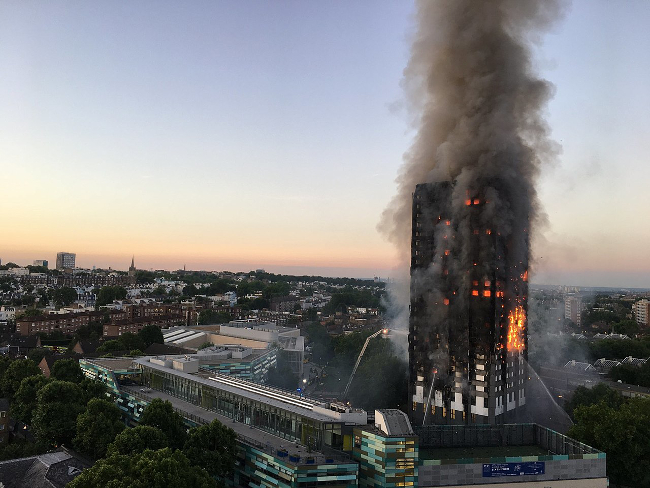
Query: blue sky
244,134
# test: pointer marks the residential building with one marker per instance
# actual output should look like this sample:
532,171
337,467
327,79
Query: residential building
53,469
41,262
67,323
573,309
467,328
65,260
287,303
118,327
642,312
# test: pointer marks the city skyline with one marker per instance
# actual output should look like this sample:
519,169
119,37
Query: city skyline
244,136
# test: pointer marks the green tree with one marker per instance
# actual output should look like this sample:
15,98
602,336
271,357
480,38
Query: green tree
67,370
151,334
18,370
55,417
25,399
5,361
161,415
97,427
129,341
93,389
137,440
38,354
31,312
64,296
149,469
143,277
584,397
212,447
629,327
159,290
107,294
380,382
110,346
623,433
93,331
208,316
190,291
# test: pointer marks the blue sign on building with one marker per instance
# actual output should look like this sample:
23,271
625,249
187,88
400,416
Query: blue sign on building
513,469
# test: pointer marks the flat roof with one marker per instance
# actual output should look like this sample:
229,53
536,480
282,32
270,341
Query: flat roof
274,397
261,439
114,364
256,354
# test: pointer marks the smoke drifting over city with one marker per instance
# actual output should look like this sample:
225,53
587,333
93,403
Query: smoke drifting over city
478,106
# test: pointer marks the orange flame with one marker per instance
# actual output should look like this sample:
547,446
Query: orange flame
516,325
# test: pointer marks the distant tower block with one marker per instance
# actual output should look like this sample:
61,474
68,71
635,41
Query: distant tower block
467,325
65,260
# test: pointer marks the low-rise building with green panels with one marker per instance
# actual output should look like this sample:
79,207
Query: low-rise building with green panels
388,452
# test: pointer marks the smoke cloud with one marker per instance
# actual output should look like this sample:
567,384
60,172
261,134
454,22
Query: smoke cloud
477,107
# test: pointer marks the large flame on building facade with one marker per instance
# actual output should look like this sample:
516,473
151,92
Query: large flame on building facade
516,328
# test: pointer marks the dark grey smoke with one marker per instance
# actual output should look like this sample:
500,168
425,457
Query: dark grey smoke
478,106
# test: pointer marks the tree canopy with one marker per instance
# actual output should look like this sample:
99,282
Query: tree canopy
212,447
25,399
151,334
67,370
55,417
107,294
64,296
97,427
150,469
137,440
623,433
161,415
16,371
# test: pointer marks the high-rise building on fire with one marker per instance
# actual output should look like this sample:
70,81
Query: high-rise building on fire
467,326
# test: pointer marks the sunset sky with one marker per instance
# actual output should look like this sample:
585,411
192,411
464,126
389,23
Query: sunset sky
246,134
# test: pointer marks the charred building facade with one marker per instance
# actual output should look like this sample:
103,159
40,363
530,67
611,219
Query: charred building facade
467,326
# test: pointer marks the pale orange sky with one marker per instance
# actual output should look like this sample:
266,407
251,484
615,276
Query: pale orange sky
250,136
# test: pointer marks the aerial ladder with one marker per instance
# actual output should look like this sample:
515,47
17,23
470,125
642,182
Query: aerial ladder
356,365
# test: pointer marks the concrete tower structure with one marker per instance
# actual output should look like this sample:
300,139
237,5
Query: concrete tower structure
65,260
467,327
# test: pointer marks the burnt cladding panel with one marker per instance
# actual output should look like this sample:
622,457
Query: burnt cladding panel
430,217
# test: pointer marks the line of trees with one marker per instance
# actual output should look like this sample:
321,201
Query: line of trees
69,409
618,426
160,451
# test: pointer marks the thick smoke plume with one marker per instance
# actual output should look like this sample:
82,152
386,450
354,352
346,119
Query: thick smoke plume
478,107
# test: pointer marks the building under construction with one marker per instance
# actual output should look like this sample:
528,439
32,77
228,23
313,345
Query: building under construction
467,327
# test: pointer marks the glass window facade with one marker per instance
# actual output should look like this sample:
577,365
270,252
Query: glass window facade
278,421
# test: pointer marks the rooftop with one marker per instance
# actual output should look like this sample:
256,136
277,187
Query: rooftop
255,437
272,396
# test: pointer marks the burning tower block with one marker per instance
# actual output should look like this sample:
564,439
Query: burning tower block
467,327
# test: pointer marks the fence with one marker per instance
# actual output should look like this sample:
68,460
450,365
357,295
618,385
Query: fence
441,436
